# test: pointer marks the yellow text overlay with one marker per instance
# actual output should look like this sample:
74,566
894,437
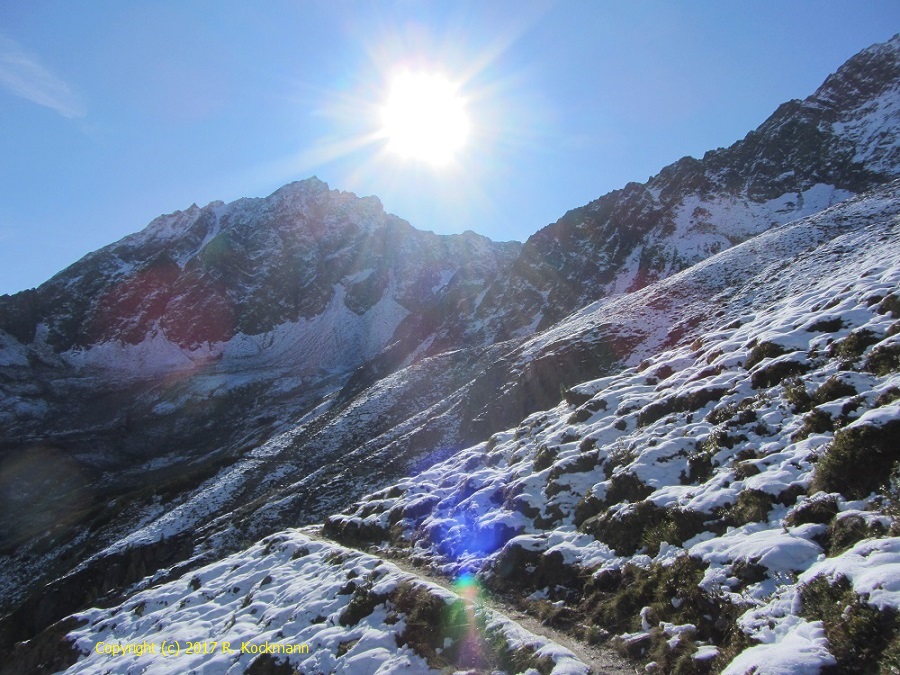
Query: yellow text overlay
177,648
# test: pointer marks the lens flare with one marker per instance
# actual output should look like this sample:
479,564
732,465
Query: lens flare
474,648
43,493
467,586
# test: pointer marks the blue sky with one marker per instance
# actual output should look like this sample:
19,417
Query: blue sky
112,112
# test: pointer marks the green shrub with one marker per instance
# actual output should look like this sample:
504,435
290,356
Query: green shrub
645,525
762,351
887,397
890,658
719,439
884,360
622,531
675,527
819,509
744,417
796,394
748,453
700,465
722,413
746,469
361,605
343,648
890,303
519,660
545,457
859,460
815,422
854,344
626,487
752,506
429,621
859,635
850,407
684,403
586,461
618,455
675,655
614,599
775,373
833,388
891,497
352,531
588,507
845,532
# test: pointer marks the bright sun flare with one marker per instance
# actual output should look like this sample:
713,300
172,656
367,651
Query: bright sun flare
424,118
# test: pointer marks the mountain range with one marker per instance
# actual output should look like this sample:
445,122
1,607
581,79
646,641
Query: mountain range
666,422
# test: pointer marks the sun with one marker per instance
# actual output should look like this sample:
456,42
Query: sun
424,118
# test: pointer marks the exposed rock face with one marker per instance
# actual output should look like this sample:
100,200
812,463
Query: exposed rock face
202,276
808,155
234,369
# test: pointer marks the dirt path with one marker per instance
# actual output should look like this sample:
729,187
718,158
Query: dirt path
600,661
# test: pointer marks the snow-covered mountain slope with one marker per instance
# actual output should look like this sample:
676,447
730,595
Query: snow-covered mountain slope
718,499
809,154
294,604
725,503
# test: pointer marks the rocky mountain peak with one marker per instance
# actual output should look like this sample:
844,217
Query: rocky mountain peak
199,277
865,76
840,141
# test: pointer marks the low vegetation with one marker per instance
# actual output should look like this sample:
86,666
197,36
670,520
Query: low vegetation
854,344
870,446
884,359
622,601
762,351
863,638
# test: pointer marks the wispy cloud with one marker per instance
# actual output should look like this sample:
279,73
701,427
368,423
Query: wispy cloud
22,74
